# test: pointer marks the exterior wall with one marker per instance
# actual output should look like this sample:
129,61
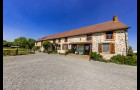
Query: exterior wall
80,38
38,44
119,41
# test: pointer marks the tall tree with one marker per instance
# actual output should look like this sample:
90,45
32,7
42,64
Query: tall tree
21,41
47,45
130,51
7,44
4,43
31,43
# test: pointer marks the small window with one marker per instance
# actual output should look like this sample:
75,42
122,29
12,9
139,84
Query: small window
109,35
58,47
65,46
66,39
89,37
105,47
59,40
54,41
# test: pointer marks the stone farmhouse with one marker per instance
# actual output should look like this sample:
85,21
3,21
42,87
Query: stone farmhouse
107,38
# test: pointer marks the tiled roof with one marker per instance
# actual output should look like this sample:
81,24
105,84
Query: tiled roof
101,27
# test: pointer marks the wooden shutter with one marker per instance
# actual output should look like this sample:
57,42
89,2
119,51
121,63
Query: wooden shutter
112,48
100,48
63,47
67,47
114,35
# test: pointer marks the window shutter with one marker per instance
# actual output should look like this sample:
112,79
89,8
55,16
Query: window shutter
104,37
112,48
67,46
114,35
100,48
63,47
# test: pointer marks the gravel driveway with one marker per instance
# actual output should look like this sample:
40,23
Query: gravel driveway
41,71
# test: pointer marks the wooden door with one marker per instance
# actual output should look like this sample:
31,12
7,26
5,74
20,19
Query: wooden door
87,49
74,47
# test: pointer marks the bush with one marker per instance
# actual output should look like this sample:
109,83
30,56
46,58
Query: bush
96,56
121,59
49,52
55,52
67,52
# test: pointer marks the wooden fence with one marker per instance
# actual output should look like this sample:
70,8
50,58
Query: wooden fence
10,52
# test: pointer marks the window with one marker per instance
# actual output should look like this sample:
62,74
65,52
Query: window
54,41
59,47
59,40
105,47
80,47
65,46
66,39
109,35
89,37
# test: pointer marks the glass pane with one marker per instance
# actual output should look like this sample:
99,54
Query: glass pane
87,47
105,47
80,47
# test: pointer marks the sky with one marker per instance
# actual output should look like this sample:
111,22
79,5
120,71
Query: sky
38,18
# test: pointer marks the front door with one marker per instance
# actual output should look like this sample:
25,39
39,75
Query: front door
87,49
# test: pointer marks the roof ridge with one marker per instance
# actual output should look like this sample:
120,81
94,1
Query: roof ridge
84,27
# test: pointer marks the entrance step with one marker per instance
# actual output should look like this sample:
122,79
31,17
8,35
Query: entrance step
83,57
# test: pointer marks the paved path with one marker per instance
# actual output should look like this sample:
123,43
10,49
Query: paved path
58,72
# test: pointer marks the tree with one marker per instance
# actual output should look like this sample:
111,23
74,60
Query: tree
7,44
31,43
21,41
4,43
130,51
47,44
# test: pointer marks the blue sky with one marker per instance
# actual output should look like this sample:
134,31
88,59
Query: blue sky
38,18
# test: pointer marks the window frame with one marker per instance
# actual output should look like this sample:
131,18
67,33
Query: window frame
54,40
64,48
59,40
109,38
90,37
66,39
103,48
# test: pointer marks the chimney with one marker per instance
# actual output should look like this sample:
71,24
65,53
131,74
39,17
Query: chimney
115,19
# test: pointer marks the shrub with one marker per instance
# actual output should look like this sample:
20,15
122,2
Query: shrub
55,52
96,56
49,52
121,59
67,52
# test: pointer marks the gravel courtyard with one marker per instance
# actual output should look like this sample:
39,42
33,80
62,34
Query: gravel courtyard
42,71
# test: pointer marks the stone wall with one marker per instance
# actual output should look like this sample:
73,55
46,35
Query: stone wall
119,41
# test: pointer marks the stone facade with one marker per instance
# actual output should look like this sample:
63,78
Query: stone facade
118,40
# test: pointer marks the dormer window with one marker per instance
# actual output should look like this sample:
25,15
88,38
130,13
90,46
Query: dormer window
109,35
89,37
